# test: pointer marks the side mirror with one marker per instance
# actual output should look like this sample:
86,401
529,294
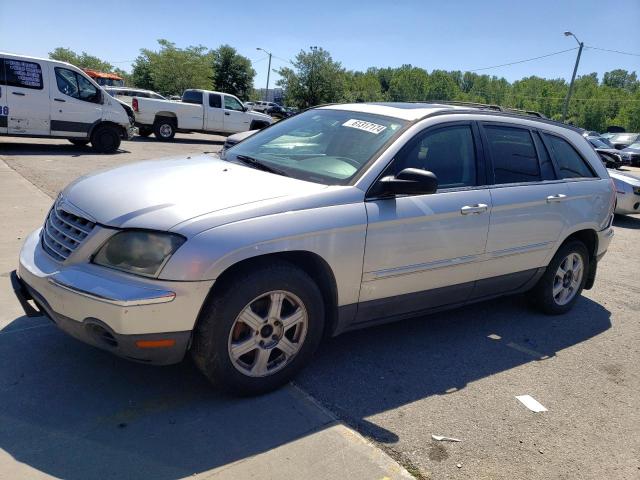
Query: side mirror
410,181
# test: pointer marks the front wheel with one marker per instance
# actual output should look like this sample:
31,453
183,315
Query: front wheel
257,333
560,286
105,139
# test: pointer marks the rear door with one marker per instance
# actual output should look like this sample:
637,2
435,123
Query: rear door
215,113
529,206
4,109
27,95
235,118
76,103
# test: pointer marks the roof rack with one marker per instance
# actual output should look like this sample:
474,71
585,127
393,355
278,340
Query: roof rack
488,106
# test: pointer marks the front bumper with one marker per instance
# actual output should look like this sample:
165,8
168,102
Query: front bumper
140,319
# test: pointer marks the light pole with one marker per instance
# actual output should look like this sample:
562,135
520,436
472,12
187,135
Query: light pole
573,77
314,50
266,92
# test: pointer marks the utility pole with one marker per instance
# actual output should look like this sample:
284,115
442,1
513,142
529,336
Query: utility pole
266,92
573,77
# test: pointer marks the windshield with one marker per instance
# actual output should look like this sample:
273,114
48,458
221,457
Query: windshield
596,142
322,146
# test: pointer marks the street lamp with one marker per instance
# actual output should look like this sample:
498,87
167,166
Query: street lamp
573,77
266,92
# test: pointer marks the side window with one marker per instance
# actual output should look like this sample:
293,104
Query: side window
231,103
215,101
3,81
546,166
87,91
23,74
513,155
67,82
448,152
192,96
570,164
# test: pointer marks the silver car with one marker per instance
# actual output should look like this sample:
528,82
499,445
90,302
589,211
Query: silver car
341,217
627,192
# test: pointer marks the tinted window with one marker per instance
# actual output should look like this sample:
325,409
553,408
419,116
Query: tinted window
23,74
231,103
2,80
513,155
546,166
77,86
191,96
448,152
215,101
570,164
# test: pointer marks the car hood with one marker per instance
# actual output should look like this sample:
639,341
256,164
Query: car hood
163,193
259,116
630,150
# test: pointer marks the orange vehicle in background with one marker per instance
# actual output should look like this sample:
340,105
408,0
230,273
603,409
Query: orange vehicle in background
105,79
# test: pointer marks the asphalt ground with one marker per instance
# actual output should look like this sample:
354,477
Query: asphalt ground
454,374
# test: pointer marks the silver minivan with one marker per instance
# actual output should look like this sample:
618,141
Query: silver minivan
341,217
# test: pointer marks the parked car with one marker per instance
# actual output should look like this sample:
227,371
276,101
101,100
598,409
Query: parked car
236,138
126,94
627,192
624,140
199,111
632,154
249,105
611,157
47,98
278,112
338,218
263,106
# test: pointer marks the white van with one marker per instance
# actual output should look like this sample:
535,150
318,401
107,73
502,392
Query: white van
47,98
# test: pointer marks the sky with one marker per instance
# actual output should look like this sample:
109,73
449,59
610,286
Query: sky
449,35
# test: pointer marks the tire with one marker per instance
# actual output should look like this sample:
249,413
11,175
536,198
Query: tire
145,131
164,129
105,139
79,143
219,329
543,296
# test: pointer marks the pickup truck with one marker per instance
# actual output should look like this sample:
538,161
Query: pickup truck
198,111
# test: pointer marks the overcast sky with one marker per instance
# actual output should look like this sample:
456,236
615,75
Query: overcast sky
450,35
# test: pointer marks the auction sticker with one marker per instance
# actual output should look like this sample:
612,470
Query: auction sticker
366,126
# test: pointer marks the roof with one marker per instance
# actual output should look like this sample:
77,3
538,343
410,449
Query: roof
97,74
404,111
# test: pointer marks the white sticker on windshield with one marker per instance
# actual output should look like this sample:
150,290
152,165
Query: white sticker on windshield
366,126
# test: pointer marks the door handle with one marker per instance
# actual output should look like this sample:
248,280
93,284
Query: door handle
556,198
227,113
20,94
475,209
59,100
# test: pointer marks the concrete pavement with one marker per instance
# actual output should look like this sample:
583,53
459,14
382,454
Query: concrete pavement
70,411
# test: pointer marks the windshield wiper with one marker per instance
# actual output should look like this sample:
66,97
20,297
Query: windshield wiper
255,163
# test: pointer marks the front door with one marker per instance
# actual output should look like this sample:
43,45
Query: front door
215,113
27,97
76,103
235,119
424,251
4,109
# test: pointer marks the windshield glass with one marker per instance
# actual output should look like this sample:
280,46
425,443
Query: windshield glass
322,146
596,142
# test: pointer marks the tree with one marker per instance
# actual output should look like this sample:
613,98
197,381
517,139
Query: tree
232,73
171,70
314,79
621,79
84,60
408,84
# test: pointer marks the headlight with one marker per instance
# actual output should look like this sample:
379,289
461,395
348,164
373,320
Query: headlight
138,251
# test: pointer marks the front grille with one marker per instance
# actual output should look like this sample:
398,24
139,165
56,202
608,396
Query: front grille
63,232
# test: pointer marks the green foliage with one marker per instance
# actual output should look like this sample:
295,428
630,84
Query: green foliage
171,70
314,79
84,60
232,73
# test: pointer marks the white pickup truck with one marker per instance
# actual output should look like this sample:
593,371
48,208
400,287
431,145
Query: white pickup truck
198,111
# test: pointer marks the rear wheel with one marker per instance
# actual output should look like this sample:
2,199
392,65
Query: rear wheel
105,139
560,286
79,143
261,330
164,129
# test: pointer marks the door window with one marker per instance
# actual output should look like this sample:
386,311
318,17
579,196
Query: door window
215,101
447,152
569,162
513,155
23,74
231,103
192,96
77,86
2,78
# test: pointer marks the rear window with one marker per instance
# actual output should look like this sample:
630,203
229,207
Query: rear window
23,74
569,162
192,96
513,154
